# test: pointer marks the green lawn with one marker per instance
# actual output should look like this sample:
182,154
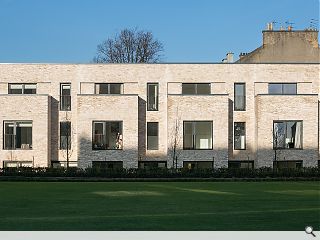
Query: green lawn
159,206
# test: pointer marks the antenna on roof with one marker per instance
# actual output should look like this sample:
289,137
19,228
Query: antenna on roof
289,25
314,23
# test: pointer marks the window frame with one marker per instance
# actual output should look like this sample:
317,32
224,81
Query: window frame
157,97
245,136
60,136
66,98
157,148
273,134
108,87
282,88
196,89
244,97
23,85
105,133
15,134
193,144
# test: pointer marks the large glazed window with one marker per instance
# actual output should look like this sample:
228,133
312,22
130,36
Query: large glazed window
196,88
282,88
107,135
65,135
27,88
239,135
152,98
109,88
152,135
239,96
197,135
65,97
287,134
17,135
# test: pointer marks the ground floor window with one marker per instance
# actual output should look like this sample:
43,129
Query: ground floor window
197,135
239,135
152,136
241,164
17,135
287,134
107,164
63,164
107,135
17,164
287,164
198,165
152,164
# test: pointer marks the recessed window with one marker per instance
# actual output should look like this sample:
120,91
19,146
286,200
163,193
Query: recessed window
65,135
25,88
241,164
196,88
239,96
17,135
190,165
107,135
282,88
197,135
152,135
152,96
107,164
109,88
65,97
287,134
239,136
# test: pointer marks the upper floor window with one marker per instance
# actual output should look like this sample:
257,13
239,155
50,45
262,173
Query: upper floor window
287,134
197,135
152,96
65,97
109,88
107,135
24,88
282,88
239,96
196,88
17,135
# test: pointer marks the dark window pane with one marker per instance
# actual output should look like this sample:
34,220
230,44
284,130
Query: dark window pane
239,136
30,89
289,88
65,97
18,135
275,88
65,135
152,97
188,88
107,135
102,88
203,88
188,136
15,88
115,88
197,135
239,97
287,134
152,135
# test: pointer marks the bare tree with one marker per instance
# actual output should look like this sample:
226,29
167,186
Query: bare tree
129,46
276,142
174,146
66,137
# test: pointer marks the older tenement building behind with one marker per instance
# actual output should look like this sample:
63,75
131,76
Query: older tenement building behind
146,115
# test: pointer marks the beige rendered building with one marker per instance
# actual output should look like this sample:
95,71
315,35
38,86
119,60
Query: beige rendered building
160,115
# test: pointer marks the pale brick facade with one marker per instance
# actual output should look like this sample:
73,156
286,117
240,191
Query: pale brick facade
130,108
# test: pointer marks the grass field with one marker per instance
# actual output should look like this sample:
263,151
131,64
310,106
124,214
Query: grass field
159,205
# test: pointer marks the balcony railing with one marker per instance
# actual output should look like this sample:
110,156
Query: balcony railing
65,103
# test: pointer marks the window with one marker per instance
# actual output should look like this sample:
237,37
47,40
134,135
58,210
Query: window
198,165
65,135
282,88
239,96
152,96
197,135
287,134
107,135
287,164
239,136
25,88
109,88
107,164
196,88
152,164
152,135
17,135
17,164
65,97
241,164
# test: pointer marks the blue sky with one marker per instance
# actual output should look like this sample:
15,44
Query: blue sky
68,31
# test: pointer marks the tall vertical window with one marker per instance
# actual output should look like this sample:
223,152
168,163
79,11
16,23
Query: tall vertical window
152,135
196,88
109,88
152,96
17,135
282,88
197,135
287,134
239,96
65,135
107,135
239,135
24,88
65,97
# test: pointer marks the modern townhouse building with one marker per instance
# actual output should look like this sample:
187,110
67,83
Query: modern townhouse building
160,115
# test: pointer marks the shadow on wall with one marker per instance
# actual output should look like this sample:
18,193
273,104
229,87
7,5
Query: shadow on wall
54,129
142,126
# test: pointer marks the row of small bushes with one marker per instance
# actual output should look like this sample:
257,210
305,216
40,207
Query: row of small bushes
163,173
